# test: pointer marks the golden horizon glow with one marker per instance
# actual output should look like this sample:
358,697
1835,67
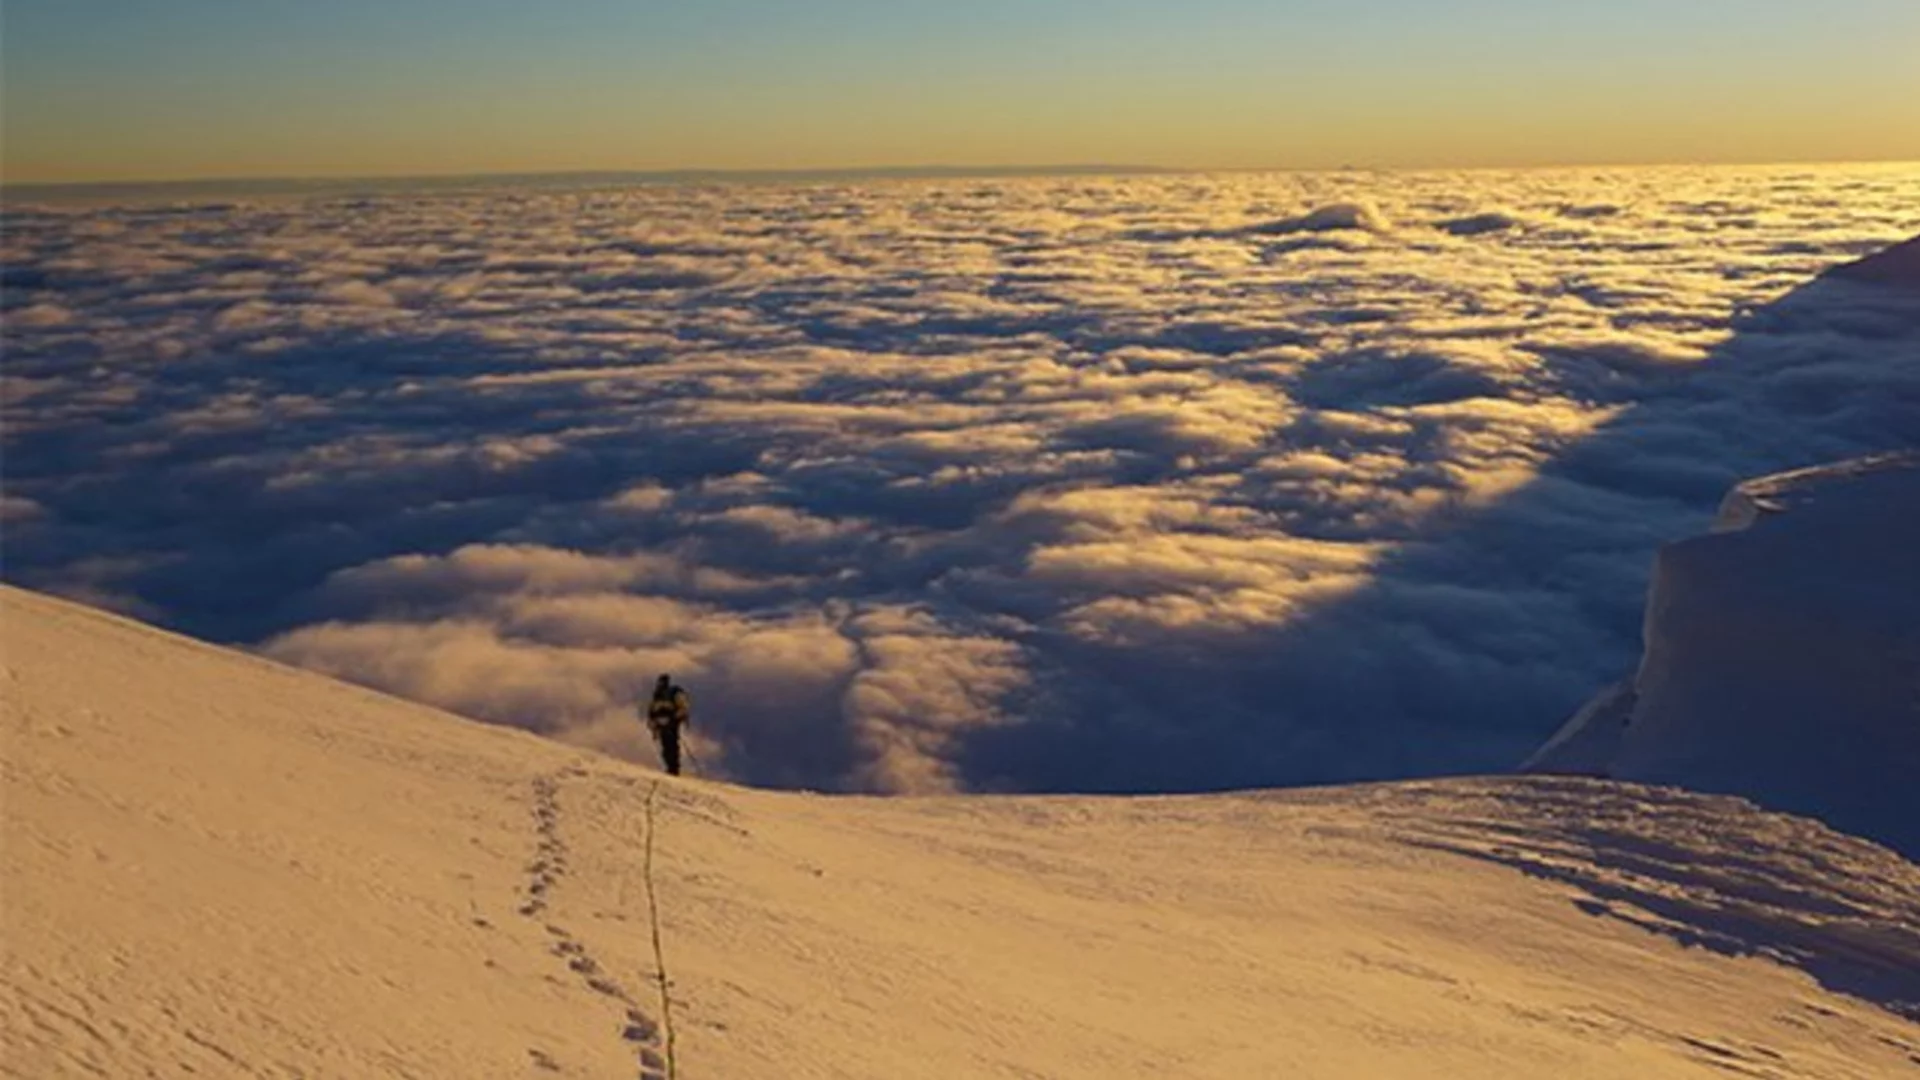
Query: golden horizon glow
400,90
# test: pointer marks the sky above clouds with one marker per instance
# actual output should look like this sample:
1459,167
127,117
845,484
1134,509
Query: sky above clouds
109,90
1148,483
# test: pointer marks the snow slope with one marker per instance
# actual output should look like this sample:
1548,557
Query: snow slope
1782,656
216,865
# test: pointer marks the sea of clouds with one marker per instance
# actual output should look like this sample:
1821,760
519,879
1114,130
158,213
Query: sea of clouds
1132,483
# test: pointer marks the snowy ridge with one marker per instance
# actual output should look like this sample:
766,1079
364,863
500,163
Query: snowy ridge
220,866
1781,656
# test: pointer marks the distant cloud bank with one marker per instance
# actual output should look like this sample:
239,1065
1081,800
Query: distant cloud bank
1138,483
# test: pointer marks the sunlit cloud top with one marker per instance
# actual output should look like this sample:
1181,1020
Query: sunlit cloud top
104,89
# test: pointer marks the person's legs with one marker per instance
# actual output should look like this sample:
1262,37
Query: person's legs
670,748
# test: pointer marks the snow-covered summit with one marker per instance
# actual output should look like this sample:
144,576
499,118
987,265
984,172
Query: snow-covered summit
218,866
1782,656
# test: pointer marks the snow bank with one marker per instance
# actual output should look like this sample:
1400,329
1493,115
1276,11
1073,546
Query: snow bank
219,866
1782,656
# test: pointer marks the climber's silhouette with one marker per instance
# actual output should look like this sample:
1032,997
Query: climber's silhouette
669,711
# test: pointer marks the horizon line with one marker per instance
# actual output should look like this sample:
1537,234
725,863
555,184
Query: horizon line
829,172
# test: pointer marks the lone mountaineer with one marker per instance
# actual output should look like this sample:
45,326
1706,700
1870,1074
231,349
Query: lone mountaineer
667,713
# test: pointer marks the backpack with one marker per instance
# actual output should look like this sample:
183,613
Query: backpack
661,711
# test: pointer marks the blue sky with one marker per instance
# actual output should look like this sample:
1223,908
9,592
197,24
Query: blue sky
114,89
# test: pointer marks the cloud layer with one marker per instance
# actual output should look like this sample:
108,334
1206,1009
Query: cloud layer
1131,484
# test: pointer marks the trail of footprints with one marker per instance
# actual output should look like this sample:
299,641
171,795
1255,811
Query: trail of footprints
549,865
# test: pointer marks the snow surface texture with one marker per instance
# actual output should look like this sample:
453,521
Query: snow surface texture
220,866
1782,656
1082,484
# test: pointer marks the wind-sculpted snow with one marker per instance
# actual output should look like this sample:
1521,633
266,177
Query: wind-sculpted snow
1132,484
1731,879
